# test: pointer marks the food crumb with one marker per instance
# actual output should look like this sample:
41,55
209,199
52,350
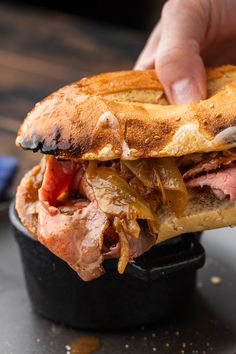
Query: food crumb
144,338
38,340
167,345
184,345
55,329
208,344
154,349
177,333
126,346
215,280
182,352
153,335
67,347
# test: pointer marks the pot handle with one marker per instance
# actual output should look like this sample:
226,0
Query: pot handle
153,265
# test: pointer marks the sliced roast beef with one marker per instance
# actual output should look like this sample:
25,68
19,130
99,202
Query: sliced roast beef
137,246
222,182
57,180
209,162
73,231
85,189
76,238
71,224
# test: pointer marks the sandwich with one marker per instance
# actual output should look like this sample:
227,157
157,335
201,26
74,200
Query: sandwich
123,170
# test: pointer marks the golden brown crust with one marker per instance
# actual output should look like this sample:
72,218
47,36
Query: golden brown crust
204,212
109,116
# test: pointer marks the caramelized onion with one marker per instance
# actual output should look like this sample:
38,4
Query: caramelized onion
124,245
145,170
162,174
116,197
175,190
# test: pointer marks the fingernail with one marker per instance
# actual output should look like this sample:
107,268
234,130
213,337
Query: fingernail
185,91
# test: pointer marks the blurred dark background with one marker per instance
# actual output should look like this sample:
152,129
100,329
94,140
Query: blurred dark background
141,14
46,44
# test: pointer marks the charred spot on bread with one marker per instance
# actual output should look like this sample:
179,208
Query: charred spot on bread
95,119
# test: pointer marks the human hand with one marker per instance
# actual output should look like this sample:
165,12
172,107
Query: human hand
190,33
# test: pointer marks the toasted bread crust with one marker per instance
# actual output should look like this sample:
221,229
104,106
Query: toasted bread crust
125,115
204,212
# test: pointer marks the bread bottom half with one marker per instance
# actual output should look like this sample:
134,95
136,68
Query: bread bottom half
204,212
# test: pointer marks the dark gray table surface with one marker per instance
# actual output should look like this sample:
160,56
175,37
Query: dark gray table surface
209,325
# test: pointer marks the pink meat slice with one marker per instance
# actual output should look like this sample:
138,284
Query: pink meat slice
73,232
209,164
75,238
140,245
57,179
137,246
223,181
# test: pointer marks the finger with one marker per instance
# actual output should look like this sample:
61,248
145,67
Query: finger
146,59
178,62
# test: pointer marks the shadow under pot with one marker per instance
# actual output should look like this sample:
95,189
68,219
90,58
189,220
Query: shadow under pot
153,288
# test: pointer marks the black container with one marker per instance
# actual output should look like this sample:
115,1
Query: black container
153,288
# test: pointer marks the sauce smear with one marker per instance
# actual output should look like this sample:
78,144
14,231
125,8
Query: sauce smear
84,345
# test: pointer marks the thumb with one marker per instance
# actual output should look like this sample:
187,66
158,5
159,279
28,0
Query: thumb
178,62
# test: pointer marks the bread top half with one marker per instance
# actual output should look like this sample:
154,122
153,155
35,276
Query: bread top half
125,115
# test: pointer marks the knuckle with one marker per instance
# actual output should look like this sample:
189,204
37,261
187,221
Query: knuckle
176,51
165,62
192,8
176,57
170,55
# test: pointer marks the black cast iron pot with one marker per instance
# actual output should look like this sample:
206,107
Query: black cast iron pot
153,288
